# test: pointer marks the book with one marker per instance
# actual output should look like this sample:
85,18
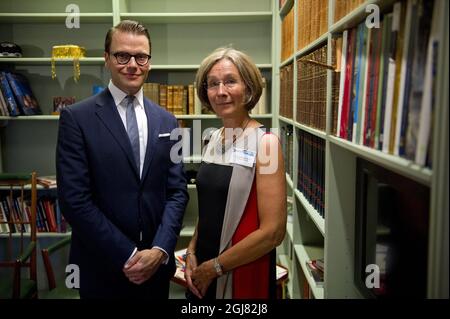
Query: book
319,263
369,109
3,107
343,65
358,131
346,98
382,87
405,75
25,99
47,181
391,76
60,102
180,263
8,95
426,109
315,273
417,77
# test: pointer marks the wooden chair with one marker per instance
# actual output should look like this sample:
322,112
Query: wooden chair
57,289
18,198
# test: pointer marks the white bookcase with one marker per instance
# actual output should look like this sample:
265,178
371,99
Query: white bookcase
310,236
182,34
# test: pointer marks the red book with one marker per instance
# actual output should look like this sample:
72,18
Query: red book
348,83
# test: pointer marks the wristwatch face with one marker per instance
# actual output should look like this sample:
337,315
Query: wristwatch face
218,267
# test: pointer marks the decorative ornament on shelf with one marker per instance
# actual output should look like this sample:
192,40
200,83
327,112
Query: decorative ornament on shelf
69,51
10,50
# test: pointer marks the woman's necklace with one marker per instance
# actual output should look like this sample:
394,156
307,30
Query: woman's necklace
224,146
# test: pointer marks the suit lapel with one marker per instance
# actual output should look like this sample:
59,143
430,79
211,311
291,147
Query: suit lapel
108,114
153,122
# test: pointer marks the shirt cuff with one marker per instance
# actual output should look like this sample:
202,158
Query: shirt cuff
131,256
166,259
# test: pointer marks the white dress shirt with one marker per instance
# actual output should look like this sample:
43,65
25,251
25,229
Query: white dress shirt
121,103
120,99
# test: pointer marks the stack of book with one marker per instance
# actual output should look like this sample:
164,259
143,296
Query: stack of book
316,270
47,181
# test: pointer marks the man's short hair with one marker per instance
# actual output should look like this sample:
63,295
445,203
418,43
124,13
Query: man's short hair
127,26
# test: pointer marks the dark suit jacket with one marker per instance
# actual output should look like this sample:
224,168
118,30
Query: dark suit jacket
108,205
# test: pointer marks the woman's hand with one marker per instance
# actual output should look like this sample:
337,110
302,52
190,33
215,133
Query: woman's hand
191,265
203,275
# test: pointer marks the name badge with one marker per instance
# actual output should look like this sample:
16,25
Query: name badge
243,157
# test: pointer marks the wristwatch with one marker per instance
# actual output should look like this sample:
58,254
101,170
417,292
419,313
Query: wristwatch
218,267
187,254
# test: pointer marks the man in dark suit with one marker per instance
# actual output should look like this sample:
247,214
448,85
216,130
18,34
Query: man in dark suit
118,187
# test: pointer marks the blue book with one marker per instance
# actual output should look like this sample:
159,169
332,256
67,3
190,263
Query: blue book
24,96
8,95
358,79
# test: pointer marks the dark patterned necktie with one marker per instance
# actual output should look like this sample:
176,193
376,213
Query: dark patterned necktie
132,130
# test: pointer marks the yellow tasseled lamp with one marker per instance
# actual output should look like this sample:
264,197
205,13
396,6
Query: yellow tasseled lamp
74,52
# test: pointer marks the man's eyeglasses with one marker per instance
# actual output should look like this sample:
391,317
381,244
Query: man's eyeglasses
214,85
125,57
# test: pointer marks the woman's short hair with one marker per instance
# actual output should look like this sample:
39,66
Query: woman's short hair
248,71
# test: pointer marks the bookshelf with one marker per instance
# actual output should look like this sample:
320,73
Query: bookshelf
182,34
311,235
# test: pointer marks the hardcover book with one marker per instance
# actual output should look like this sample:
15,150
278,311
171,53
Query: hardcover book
23,94
60,102
8,95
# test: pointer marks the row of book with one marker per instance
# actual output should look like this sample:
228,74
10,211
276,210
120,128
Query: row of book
183,99
286,91
386,82
312,16
287,35
312,89
16,96
48,215
316,269
343,7
311,170
177,99
47,181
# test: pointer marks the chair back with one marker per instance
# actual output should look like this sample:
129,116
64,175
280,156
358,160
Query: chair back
57,288
18,204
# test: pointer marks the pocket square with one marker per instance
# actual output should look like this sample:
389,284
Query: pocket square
164,135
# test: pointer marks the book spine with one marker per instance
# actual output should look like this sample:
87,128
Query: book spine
8,95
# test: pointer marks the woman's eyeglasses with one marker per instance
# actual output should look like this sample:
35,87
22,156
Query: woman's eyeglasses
214,85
